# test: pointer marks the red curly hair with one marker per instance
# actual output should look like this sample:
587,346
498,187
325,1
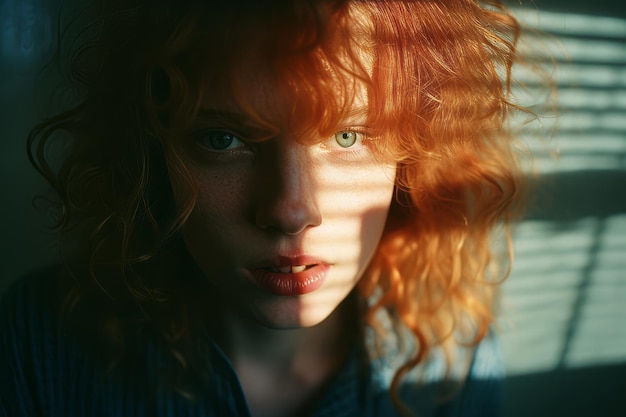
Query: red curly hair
438,77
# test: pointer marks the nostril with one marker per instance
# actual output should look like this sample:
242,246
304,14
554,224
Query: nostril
288,218
286,189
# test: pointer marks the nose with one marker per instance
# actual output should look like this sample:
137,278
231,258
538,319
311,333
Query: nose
286,199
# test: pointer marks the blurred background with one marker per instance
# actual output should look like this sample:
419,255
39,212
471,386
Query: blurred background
564,332
564,325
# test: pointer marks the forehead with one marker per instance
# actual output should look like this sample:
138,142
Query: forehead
283,73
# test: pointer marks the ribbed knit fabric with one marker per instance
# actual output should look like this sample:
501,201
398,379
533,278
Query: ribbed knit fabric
47,372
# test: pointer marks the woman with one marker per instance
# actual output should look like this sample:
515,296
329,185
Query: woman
274,209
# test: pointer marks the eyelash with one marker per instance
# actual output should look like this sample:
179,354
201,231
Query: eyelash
362,136
357,150
205,140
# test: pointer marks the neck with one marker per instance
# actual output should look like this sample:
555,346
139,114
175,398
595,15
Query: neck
283,372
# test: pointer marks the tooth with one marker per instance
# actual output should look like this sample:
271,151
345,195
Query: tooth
284,269
298,268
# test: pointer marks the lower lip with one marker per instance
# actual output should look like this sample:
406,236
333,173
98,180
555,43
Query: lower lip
290,284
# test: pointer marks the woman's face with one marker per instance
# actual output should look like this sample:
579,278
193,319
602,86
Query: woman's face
285,228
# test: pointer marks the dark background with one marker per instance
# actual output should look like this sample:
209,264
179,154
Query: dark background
564,332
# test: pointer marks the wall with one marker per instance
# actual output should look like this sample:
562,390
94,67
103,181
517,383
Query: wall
564,336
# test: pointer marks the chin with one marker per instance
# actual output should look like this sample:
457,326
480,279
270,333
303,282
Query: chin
293,313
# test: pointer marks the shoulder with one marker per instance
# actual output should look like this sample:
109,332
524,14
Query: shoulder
28,334
29,303
471,386
48,367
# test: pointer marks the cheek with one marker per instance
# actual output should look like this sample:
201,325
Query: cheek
374,199
364,193
220,195
218,210
376,196
356,204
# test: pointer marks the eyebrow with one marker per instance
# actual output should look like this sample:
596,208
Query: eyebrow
223,115
357,114
358,111
240,122
253,130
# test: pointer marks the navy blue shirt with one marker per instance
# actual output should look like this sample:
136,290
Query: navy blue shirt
44,371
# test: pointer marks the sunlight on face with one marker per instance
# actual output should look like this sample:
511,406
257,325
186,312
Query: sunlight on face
274,215
285,226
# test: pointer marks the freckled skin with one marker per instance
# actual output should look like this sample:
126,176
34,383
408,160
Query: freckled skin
324,197
284,197
263,197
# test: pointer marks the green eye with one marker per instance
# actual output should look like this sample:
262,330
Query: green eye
346,139
219,140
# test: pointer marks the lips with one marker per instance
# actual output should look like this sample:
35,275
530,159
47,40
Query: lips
290,269
290,276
